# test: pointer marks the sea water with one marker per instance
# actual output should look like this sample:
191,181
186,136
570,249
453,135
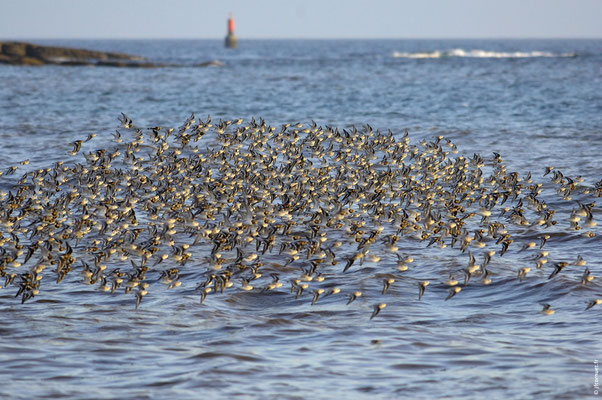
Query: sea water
537,103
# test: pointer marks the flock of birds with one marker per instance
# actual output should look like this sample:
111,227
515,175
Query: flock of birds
228,207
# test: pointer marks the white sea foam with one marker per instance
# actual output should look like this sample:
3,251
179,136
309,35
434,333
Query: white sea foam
476,53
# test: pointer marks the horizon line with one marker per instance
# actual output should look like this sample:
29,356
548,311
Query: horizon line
314,38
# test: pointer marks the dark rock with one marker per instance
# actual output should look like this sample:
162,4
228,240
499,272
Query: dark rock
127,64
21,53
20,60
51,53
75,63
14,49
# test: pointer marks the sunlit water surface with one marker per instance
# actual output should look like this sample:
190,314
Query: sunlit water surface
537,103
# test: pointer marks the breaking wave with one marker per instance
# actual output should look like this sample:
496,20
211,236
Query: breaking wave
480,54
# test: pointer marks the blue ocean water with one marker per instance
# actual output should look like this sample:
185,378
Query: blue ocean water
538,103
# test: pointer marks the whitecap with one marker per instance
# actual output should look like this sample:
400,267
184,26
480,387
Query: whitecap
477,53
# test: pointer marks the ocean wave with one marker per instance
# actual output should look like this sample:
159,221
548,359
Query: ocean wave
480,54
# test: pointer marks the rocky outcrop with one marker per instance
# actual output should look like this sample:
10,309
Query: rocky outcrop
21,53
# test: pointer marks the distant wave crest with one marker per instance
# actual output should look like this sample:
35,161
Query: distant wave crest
480,54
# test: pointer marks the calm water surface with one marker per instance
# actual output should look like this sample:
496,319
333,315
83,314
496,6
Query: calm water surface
537,103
